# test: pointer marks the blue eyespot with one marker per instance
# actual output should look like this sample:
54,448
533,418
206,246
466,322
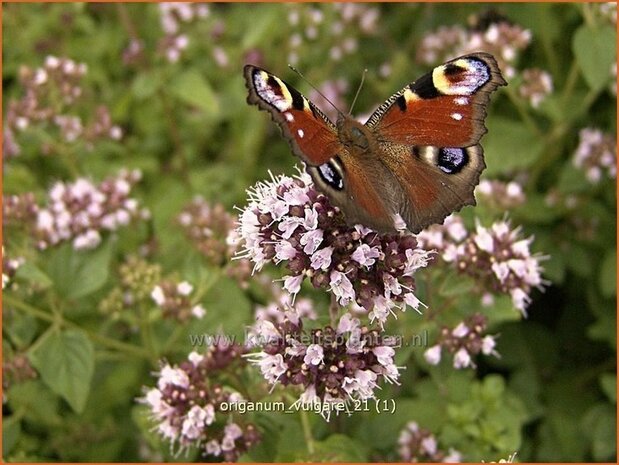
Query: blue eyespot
452,159
331,175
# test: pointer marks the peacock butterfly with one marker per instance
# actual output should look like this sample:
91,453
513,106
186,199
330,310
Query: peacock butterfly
418,155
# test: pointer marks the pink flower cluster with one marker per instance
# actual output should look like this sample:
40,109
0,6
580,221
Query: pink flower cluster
175,302
494,35
208,226
500,195
498,258
172,16
331,364
16,369
212,231
186,405
281,304
463,342
9,267
418,444
536,85
351,21
49,95
289,221
596,154
80,211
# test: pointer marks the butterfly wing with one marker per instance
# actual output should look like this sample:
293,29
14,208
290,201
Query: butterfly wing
444,108
428,135
314,139
435,181
311,135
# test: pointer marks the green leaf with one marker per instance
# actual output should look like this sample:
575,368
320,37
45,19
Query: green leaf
572,180
340,448
66,363
261,26
579,260
608,274
191,88
536,210
456,284
17,178
146,84
605,438
604,329
599,425
609,386
502,310
30,273
21,329
502,153
378,429
227,308
37,402
595,51
492,387
11,430
556,105
291,445
78,273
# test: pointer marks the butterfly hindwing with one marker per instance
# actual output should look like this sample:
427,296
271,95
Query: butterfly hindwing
311,135
359,190
444,108
435,181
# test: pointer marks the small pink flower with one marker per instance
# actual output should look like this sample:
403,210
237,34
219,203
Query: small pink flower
293,284
433,355
313,355
321,260
342,288
365,255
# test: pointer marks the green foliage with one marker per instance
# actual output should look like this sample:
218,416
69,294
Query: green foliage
551,396
595,51
66,363
76,275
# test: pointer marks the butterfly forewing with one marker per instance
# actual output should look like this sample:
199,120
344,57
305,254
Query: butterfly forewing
311,135
444,108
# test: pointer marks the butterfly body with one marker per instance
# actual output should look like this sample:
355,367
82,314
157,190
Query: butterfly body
417,156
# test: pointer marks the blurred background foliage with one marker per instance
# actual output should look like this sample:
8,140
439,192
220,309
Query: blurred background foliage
173,90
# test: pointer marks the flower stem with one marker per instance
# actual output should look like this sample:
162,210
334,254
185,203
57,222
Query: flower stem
334,308
145,330
57,319
522,111
307,432
570,82
588,15
175,135
127,22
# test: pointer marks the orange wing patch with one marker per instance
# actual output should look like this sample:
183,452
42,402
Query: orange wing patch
444,121
317,144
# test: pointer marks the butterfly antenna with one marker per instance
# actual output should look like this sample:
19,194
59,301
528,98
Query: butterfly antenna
358,91
339,112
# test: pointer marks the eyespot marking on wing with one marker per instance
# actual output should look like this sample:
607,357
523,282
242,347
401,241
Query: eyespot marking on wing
330,172
461,77
452,160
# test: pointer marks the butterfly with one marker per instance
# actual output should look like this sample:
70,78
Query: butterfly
417,156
